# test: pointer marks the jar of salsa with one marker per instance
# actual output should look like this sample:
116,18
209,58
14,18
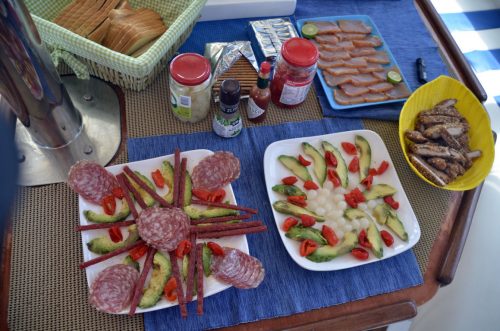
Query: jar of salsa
294,72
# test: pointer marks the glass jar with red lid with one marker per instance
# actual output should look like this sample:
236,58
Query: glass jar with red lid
294,72
190,87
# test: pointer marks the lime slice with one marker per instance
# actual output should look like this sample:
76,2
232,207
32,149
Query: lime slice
394,77
309,31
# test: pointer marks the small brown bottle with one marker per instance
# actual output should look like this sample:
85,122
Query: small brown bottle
260,95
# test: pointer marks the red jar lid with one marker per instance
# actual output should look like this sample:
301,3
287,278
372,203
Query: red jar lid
190,69
299,52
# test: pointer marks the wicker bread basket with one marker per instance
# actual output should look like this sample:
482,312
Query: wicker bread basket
179,16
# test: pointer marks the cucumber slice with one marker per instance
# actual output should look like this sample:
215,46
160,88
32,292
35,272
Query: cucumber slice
309,31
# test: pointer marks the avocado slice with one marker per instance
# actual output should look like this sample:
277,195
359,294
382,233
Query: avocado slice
300,233
285,207
167,170
381,212
354,213
328,253
128,260
394,223
196,213
185,266
365,156
319,162
162,269
92,216
104,244
373,236
294,166
288,190
207,260
341,165
379,191
148,199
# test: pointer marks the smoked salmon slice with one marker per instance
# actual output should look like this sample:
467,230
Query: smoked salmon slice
341,45
350,36
344,99
339,71
333,81
370,67
326,27
378,57
398,92
334,55
353,26
322,64
326,39
380,87
370,41
356,62
364,80
362,51
375,97
354,91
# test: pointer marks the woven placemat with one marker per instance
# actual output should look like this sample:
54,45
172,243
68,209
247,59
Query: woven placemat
49,292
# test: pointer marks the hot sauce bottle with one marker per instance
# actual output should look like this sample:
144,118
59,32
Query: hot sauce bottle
260,95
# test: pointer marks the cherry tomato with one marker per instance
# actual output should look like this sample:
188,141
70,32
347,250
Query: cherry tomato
118,192
183,248
108,203
297,200
329,235
368,181
137,252
288,223
372,172
330,159
115,234
169,289
307,220
354,165
290,180
333,177
363,239
358,195
310,185
382,167
387,238
201,194
217,195
359,253
391,202
349,148
303,161
158,178
307,247
215,248
350,200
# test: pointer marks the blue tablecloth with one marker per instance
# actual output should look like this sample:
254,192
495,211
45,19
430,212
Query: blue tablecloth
287,288
398,22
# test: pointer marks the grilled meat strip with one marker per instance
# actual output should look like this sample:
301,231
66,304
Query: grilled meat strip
455,129
450,140
438,163
431,150
436,176
430,120
415,136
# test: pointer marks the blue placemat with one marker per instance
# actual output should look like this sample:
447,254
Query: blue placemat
287,288
398,22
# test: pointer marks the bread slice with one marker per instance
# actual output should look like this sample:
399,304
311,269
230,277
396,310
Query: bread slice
144,48
141,38
72,12
86,15
100,32
91,24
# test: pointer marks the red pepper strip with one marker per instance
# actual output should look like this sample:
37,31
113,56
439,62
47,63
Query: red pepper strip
363,239
368,181
108,203
382,167
142,279
134,192
360,253
180,291
297,200
232,232
333,177
351,201
354,165
169,288
387,238
358,195
349,148
329,235
303,161
199,274
182,183
330,159
130,202
115,234
146,188
103,225
177,175
118,192
158,178
201,194
183,248
391,202
307,247
290,180
221,219
138,252
192,262
224,205
310,185
215,248
288,223
224,226
217,195
110,255
307,220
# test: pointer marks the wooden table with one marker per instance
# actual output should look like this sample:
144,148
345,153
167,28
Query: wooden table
381,310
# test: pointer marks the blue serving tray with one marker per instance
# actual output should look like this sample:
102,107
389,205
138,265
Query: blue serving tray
375,32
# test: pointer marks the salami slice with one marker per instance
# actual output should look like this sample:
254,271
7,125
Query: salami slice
91,181
113,287
163,228
216,171
238,269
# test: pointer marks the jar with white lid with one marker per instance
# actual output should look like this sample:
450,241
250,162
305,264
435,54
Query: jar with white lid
190,87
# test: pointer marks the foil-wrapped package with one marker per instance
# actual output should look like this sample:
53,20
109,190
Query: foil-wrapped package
270,34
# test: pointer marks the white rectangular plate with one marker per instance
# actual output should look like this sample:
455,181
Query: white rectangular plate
275,171
211,285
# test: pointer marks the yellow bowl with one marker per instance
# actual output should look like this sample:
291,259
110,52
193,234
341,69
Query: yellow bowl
468,105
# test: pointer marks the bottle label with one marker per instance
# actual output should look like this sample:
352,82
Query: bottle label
227,128
229,109
181,105
254,111
293,93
